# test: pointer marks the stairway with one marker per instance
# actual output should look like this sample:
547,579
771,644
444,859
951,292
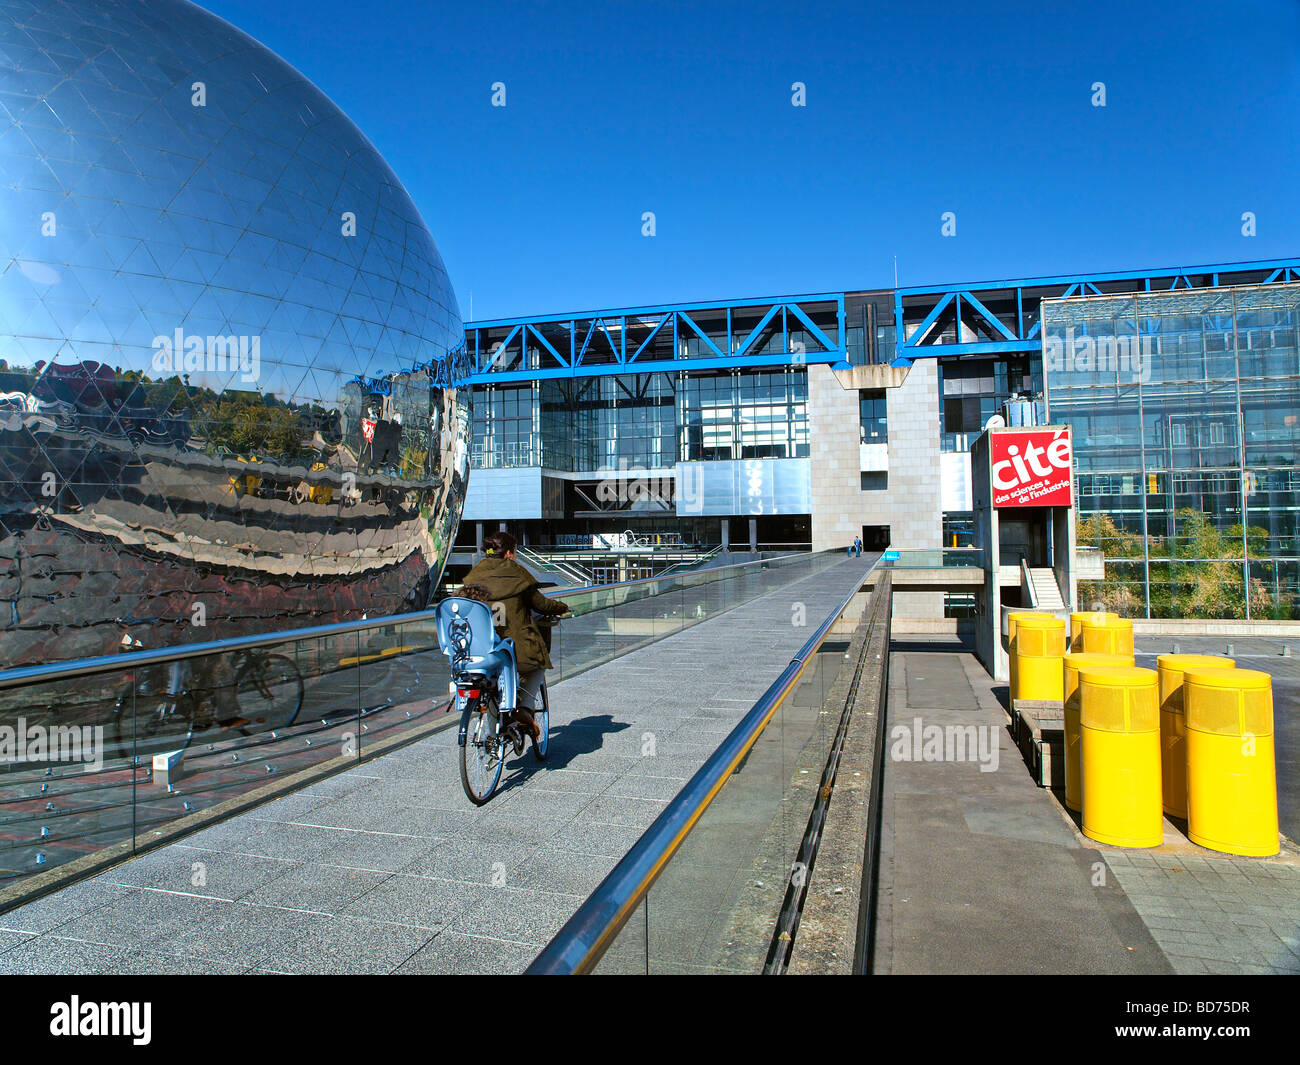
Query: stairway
1043,589
570,573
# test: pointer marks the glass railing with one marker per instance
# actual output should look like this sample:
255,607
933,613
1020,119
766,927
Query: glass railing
505,455
939,558
611,619
715,881
100,758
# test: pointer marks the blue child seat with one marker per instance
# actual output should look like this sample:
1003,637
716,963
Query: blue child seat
467,637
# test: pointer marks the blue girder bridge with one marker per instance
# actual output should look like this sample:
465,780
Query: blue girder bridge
696,336
984,318
997,317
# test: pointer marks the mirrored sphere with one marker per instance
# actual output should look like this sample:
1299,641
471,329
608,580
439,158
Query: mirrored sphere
228,343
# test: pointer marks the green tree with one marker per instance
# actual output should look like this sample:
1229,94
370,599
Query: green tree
1197,572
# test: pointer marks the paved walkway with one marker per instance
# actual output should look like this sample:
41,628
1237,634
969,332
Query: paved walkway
388,868
984,872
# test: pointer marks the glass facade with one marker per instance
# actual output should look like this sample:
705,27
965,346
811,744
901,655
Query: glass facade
607,422
744,416
869,328
972,390
505,427
588,425
228,343
1185,407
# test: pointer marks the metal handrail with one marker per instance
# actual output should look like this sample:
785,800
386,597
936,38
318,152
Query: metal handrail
565,568
1027,582
691,565
585,937
85,667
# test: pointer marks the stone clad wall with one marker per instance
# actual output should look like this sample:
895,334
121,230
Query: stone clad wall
833,435
911,505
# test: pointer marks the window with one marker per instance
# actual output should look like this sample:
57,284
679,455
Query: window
503,429
874,416
973,390
744,415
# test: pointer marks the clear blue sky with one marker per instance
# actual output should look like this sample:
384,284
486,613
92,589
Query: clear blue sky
684,109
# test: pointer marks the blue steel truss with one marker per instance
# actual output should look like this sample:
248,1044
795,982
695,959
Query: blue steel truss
791,330
996,317
985,318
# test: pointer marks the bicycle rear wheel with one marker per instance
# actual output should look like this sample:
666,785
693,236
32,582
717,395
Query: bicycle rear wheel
542,717
481,757
269,692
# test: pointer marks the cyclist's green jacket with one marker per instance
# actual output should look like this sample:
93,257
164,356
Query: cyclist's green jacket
517,590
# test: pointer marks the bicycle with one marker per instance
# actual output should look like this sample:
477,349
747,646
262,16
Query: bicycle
488,735
161,707
483,668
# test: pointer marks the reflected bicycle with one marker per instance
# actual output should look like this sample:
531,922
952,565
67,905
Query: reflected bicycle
161,707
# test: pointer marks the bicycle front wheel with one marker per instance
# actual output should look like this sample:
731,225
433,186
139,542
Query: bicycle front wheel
269,692
481,758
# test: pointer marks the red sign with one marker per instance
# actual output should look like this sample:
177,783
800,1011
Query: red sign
368,430
1031,467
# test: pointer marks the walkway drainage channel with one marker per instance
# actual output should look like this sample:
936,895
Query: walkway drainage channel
870,645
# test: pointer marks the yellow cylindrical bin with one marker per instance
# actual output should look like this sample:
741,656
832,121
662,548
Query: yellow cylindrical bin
1173,753
1078,617
1231,771
1037,650
1119,725
1012,620
1107,636
1070,694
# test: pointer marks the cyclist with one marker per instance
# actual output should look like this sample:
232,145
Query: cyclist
513,592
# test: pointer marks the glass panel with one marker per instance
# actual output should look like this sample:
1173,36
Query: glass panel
732,871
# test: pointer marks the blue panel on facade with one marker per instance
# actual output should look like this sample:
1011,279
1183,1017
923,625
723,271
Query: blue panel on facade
744,486
504,495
